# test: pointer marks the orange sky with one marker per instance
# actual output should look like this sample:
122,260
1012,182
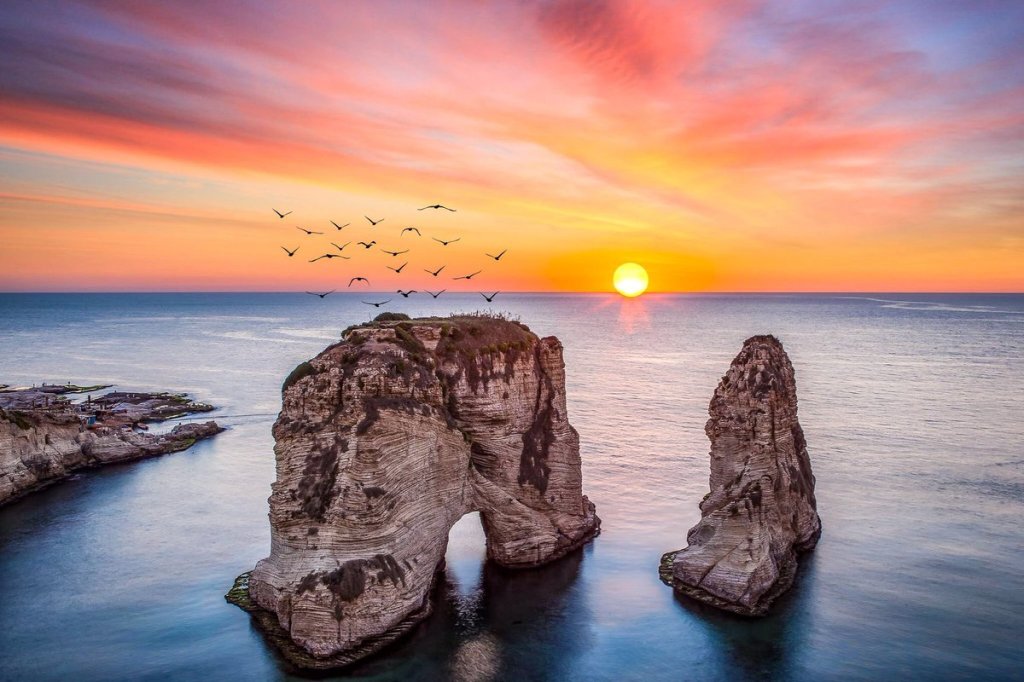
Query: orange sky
726,146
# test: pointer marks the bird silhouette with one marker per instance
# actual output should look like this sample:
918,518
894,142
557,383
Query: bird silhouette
498,257
412,229
437,272
329,255
358,279
377,305
292,252
368,244
395,253
405,294
469,276
399,269
308,232
491,297
438,293
342,247
279,214
372,221
436,206
340,226
446,243
313,293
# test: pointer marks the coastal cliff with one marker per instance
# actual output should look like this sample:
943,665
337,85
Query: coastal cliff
383,442
761,511
44,437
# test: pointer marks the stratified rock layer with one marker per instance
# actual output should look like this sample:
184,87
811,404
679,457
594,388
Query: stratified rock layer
761,512
383,442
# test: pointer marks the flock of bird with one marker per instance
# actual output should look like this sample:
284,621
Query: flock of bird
367,245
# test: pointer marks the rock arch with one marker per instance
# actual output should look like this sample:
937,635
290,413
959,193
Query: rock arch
383,442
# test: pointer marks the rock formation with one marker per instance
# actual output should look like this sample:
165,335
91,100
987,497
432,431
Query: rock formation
45,438
383,442
761,510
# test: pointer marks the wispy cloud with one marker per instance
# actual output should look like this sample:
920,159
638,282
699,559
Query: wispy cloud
779,145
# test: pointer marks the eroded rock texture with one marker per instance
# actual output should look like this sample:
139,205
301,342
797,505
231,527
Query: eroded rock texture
383,442
761,512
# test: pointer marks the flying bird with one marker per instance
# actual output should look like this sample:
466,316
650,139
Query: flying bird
292,252
329,255
279,214
340,226
498,257
368,244
377,305
491,297
358,279
436,206
469,276
342,247
437,272
446,243
412,229
405,294
308,232
395,253
372,221
438,293
313,293
399,269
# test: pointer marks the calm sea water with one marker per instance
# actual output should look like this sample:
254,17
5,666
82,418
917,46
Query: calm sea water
912,406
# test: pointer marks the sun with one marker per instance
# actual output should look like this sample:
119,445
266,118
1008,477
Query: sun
630,279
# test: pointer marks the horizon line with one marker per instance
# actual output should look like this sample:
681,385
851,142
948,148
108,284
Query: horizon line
529,292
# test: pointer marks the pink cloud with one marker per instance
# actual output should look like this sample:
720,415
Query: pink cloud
717,121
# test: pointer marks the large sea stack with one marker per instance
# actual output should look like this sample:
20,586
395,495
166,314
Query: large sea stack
761,512
383,442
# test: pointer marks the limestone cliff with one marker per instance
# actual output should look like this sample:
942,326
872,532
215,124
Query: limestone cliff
761,511
383,442
45,438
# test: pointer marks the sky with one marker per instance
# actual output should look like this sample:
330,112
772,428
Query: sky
724,145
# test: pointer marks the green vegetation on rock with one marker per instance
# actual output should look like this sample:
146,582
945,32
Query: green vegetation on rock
301,371
391,317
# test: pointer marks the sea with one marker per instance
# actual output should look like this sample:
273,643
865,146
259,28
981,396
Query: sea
912,405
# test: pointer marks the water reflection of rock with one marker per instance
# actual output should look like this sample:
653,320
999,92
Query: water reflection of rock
518,624
765,648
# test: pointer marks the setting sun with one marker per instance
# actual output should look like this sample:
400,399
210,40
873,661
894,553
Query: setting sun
630,279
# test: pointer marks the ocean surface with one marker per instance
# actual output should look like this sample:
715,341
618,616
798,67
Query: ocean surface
913,407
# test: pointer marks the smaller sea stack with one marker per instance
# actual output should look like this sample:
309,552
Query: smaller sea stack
761,511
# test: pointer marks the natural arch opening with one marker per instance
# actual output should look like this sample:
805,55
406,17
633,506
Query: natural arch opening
391,440
466,555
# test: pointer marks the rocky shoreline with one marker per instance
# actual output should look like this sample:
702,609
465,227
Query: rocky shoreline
45,437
